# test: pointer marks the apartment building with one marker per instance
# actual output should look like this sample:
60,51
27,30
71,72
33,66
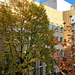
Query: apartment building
60,20
69,19
57,4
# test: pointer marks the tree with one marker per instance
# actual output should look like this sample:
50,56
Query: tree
67,63
24,27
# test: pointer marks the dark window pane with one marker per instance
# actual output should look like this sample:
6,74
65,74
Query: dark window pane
61,39
57,38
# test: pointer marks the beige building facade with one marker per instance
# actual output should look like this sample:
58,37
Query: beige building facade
69,20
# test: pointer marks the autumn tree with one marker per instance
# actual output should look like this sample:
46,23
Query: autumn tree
67,63
25,37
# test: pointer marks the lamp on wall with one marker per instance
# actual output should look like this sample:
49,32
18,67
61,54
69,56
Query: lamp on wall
70,16
64,23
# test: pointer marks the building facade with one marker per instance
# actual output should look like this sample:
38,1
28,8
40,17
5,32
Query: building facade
69,19
56,4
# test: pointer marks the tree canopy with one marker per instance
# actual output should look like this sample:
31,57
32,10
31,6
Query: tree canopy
25,37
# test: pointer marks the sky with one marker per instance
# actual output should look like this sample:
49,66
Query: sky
40,0
71,1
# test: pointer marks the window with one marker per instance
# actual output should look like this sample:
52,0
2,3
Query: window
56,27
57,38
51,25
61,28
73,37
61,39
9,1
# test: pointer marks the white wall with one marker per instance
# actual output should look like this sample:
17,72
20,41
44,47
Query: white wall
63,5
73,19
2,0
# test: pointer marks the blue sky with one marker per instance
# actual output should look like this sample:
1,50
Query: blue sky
40,0
71,1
